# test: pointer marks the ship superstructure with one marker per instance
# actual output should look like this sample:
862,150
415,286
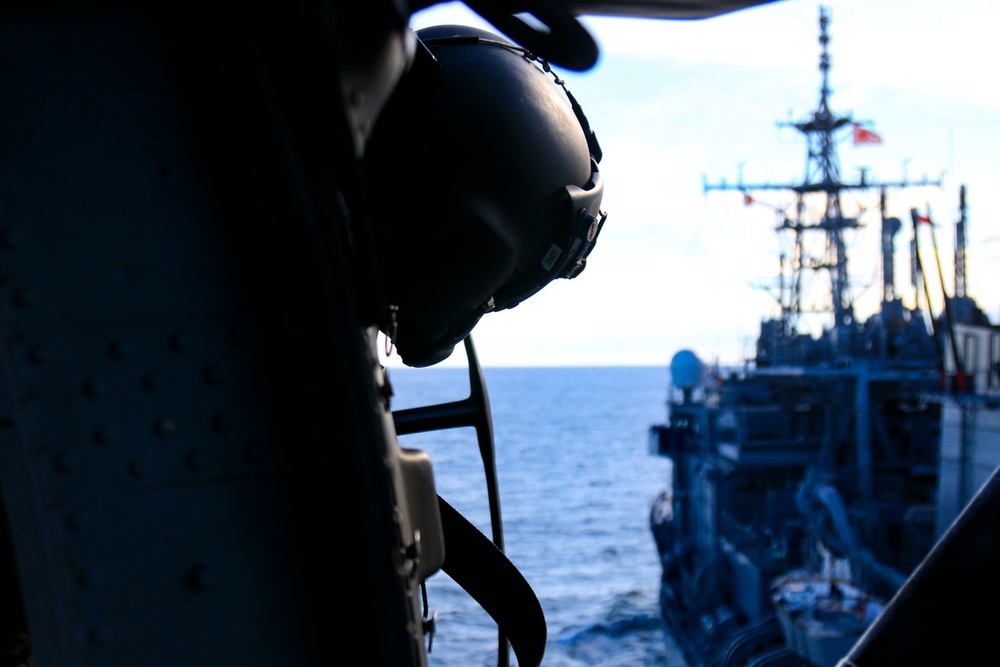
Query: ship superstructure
805,483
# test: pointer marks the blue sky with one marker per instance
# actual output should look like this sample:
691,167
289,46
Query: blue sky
674,102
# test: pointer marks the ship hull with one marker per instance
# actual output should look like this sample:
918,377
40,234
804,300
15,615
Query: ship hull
829,471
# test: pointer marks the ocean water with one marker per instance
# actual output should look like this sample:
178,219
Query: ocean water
576,481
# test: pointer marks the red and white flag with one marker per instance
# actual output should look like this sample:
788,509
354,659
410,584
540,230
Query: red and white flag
863,136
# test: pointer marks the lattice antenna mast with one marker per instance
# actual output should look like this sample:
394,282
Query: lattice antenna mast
822,175
960,240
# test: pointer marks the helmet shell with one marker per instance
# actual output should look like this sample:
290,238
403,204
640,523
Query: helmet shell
467,172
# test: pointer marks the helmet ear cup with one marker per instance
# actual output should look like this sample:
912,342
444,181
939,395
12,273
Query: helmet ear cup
472,173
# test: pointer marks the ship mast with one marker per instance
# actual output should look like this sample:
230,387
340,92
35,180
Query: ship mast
822,176
825,177
960,240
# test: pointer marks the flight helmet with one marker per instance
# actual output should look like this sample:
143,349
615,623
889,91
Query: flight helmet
483,183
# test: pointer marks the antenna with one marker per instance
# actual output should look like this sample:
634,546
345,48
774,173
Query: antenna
823,177
960,239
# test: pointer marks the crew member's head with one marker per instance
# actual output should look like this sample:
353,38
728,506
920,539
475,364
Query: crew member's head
483,185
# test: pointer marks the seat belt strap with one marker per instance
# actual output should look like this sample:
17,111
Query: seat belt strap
485,573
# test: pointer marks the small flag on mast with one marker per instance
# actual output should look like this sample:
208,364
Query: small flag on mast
747,199
863,136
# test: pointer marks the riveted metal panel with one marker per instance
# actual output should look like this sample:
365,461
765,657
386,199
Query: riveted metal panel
179,434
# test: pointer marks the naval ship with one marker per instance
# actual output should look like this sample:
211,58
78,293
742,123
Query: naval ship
811,482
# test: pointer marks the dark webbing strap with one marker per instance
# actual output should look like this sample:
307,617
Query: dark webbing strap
485,573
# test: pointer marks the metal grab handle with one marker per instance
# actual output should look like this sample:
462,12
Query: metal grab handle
473,411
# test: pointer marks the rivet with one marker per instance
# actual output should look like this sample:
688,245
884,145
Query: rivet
103,434
101,636
40,354
137,467
8,239
222,421
200,578
77,521
65,463
121,272
237,336
212,375
385,390
152,382
412,552
119,349
94,388
180,342
164,427
253,454
24,297
196,460
407,567
88,578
